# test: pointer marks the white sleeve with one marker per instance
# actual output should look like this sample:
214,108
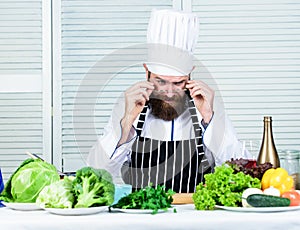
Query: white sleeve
221,139
104,153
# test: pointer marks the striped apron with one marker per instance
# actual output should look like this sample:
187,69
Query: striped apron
178,165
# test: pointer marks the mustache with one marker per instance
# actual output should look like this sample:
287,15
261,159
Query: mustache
164,97
161,96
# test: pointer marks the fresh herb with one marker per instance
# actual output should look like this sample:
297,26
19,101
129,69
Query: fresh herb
147,198
223,187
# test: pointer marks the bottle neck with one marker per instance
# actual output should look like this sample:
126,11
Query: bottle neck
268,133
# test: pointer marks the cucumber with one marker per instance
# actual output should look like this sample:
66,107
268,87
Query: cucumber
263,200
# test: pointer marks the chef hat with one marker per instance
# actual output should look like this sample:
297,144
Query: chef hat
171,37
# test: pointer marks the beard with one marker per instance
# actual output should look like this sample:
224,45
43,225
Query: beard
167,108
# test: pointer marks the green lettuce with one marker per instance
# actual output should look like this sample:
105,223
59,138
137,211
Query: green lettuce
223,187
57,195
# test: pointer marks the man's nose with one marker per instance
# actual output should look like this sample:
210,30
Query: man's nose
170,90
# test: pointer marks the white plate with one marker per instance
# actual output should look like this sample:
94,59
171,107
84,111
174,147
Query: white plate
260,209
137,211
76,211
22,206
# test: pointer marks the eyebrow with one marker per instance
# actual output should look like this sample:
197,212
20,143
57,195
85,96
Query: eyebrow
180,81
176,82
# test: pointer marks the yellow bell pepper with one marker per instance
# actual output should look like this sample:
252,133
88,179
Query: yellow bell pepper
277,178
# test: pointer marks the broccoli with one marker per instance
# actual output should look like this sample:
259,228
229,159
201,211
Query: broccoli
93,187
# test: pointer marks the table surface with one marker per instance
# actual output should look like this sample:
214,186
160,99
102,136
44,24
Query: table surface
185,218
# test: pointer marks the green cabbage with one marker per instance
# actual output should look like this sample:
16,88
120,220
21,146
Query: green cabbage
28,180
57,195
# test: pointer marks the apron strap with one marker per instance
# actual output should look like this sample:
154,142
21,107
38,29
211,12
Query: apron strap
141,120
196,126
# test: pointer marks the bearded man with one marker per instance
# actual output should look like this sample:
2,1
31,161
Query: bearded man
165,130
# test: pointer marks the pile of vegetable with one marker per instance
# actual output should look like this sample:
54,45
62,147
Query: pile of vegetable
28,180
147,198
89,188
276,191
278,183
242,183
223,187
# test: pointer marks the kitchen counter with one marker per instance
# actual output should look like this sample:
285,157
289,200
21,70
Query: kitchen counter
185,218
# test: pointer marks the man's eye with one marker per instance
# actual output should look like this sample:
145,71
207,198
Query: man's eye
161,82
179,83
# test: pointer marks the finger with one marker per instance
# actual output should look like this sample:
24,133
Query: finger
146,93
143,84
197,92
190,84
193,87
139,94
140,100
193,83
140,89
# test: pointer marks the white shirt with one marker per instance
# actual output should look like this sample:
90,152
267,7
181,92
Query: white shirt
219,138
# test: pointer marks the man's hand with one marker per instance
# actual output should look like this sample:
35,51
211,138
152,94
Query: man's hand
203,97
135,100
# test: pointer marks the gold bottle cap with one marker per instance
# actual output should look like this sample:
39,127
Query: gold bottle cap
267,118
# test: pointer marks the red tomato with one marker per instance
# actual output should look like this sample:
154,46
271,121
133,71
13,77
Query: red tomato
293,196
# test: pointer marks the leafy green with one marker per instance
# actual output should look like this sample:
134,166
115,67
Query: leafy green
93,187
59,194
223,187
147,198
203,198
249,167
38,181
6,193
28,180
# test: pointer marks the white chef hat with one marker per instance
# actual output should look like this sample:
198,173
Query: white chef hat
171,37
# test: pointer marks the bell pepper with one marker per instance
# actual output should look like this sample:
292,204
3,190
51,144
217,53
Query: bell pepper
277,178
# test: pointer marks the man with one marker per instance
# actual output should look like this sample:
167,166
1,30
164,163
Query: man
166,130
